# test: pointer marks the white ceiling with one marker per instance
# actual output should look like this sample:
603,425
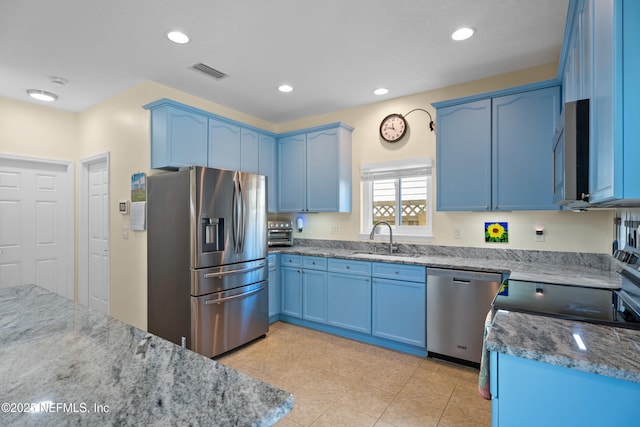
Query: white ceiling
333,52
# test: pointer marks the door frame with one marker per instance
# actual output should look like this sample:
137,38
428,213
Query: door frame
15,160
83,225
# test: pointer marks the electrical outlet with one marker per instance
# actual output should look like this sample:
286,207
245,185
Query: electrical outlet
125,232
539,236
457,233
335,230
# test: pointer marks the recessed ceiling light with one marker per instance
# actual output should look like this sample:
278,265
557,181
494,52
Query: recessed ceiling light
285,88
381,91
178,37
462,33
41,95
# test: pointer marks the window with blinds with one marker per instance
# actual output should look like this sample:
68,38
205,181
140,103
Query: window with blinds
398,192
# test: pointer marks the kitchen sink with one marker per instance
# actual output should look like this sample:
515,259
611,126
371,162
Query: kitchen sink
386,254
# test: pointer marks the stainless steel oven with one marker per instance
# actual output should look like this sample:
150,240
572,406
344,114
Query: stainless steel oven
280,233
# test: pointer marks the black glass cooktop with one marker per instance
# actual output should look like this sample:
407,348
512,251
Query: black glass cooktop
595,305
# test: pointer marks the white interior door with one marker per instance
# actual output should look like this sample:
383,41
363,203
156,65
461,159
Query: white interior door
99,237
93,233
36,235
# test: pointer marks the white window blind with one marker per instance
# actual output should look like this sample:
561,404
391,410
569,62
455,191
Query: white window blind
395,169
398,192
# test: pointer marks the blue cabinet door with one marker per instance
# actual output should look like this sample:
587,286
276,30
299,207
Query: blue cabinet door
293,170
349,302
224,145
522,142
463,156
615,107
329,171
314,295
268,166
178,138
249,151
531,393
399,309
274,285
602,183
291,286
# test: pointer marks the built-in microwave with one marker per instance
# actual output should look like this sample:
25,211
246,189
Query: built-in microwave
571,156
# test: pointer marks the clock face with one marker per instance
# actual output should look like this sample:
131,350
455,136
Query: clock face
393,127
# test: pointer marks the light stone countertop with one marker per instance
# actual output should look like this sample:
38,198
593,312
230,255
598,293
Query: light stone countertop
529,269
52,350
612,352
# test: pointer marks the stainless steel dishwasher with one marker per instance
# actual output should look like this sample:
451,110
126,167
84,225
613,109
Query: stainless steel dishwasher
457,304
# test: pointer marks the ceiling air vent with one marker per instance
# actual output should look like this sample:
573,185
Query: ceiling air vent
218,75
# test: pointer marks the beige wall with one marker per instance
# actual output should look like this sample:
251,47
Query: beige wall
120,126
37,131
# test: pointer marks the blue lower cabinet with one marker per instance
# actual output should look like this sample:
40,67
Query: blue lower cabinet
341,297
291,291
531,393
399,309
274,287
349,302
314,295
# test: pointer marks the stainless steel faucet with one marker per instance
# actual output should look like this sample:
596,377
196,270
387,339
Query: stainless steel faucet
373,230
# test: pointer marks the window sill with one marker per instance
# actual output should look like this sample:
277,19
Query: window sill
399,238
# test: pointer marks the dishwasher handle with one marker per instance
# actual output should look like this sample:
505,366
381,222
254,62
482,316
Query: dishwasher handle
461,281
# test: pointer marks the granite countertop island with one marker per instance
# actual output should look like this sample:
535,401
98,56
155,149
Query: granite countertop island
62,364
610,351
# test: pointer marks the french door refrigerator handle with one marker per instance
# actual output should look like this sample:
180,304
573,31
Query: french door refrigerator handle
221,300
234,213
241,217
230,272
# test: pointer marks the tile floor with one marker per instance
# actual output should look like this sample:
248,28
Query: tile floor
340,382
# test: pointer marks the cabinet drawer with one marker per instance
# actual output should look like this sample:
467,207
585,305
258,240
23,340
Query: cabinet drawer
290,260
361,268
314,263
413,273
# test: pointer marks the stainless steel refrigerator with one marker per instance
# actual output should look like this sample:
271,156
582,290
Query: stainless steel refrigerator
207,268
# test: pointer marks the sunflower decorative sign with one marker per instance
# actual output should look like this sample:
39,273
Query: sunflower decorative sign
496,232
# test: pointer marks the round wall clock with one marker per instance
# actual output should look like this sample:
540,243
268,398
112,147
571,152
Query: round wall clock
393,127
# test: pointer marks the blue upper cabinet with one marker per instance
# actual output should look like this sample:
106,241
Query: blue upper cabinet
179,137
599,61
224,145
249,151
614,176
329,170
307,170
576,75
315,170
268,166
463,157
493,151
292,152
523,127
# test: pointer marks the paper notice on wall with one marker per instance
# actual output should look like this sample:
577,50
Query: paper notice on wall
138,216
